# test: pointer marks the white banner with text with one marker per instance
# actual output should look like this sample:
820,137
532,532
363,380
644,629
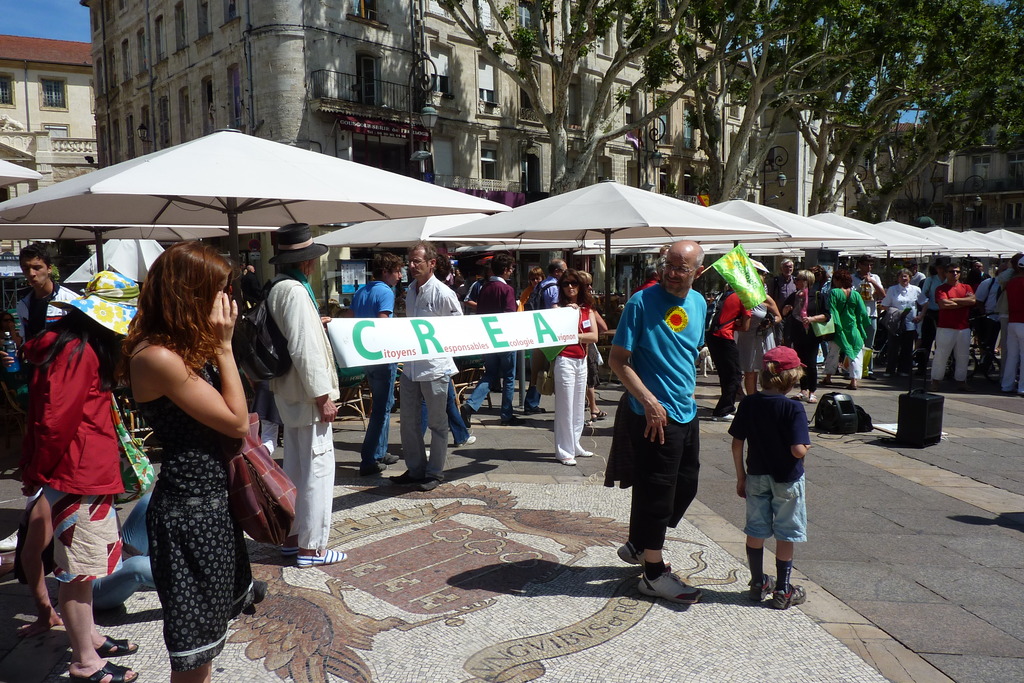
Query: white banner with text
374,341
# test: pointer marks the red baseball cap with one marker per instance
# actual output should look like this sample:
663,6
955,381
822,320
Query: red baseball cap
784,358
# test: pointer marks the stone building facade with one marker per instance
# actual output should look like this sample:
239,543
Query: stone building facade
347,78
46,109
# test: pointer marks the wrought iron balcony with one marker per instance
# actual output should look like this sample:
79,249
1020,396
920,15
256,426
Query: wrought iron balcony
334,85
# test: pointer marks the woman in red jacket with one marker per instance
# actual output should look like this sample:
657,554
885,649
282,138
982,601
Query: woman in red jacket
70,451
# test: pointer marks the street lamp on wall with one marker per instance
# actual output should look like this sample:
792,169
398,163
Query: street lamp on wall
421,88
648,153
428,117
774,161
143,132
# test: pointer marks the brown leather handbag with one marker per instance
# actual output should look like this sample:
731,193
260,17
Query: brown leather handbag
260,494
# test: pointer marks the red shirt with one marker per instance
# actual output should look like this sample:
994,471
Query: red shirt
954,318
1015,298
732,313
70,442
578,350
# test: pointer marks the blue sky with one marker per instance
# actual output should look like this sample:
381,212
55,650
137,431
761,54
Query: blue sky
58,19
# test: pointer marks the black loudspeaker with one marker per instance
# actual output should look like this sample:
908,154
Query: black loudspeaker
919,422
836,414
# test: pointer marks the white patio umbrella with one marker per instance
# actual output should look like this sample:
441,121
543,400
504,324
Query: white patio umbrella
794,228
405,232
13,173
218,178
999,247
131,258
959,242
1008,236
607,209
892,241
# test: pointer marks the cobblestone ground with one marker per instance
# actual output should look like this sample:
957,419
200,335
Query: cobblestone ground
508,572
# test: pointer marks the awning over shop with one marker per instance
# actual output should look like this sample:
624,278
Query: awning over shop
393,129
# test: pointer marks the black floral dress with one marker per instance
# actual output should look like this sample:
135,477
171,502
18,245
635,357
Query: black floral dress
200,562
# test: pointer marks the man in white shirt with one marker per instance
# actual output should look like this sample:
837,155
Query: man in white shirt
426,381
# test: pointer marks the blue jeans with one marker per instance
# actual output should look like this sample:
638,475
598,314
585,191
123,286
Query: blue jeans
498,368
135,572
382,389
460,433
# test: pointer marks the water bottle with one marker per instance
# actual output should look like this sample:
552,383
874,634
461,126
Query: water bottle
11,349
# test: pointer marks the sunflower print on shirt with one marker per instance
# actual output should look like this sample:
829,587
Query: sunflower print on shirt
677,319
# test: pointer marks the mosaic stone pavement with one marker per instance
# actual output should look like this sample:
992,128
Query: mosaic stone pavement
499,582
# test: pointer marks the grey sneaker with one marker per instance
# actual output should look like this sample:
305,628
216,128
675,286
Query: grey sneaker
786,599
630,554
758,592
670,587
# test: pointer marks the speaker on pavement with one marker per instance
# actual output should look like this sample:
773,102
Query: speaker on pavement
919,421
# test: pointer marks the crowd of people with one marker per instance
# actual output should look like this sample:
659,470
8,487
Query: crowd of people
170,343
849,319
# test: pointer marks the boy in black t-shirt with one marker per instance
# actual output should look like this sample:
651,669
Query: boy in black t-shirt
775,430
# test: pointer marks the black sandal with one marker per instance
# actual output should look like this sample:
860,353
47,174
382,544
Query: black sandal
118,674
114,647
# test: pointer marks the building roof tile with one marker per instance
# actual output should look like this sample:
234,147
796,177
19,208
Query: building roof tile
45,50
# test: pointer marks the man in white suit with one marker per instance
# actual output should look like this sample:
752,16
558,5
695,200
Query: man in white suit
305,397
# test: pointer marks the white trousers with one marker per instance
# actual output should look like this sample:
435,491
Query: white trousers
570,402
1013,359
957,342
832,362
309,462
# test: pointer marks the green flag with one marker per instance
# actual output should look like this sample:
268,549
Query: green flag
736,268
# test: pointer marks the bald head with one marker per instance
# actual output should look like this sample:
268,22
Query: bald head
680,266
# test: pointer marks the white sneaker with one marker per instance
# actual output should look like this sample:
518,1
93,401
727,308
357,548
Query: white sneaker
723,418
629,554
670,587
10,543
571,462
468,442
585,454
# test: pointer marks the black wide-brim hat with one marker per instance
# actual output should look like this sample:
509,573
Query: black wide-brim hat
295,244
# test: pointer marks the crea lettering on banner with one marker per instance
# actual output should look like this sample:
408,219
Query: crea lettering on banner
375,341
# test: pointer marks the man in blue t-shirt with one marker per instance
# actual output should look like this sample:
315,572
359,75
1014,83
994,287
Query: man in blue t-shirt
376,299
654,354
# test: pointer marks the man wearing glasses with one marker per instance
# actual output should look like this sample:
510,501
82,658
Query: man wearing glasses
654,354
955,300
426,380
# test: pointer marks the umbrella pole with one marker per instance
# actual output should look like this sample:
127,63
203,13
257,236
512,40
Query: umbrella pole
233,248
98,235
607,271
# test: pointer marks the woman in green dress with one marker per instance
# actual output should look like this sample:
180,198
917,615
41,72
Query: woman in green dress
847,309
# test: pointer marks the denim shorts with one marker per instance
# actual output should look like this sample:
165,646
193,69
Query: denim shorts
776,509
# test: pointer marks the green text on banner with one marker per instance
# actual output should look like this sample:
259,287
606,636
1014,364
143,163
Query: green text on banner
374,341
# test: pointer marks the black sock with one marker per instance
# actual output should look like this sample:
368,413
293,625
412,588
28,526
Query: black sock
755,558
653,570
783,569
